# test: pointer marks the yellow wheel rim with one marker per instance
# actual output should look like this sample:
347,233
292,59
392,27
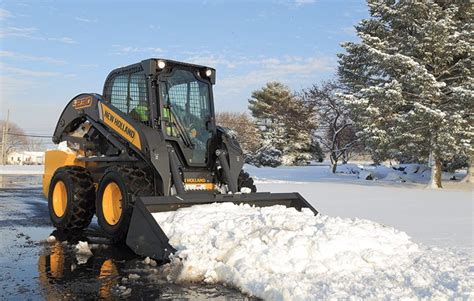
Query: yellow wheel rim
59,198
112,203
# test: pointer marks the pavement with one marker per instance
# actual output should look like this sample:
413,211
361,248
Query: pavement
34,269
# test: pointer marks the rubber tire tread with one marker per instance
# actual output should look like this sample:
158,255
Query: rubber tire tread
137,182
82,207
245,180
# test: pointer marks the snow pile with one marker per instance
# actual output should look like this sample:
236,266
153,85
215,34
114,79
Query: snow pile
82,248
281,254
417,173
51,239
349,169
62,146
150,261
365,175
83,252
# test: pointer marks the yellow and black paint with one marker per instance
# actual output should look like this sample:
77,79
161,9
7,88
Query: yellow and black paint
198,184
119,125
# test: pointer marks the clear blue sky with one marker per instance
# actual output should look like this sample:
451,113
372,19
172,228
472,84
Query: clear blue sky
52,50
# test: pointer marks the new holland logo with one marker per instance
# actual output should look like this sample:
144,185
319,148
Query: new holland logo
120,124
195,180
122,127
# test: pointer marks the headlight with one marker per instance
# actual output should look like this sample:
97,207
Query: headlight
208,72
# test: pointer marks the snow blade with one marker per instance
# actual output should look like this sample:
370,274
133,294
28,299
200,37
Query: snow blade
146,238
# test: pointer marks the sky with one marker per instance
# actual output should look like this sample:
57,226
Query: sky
51,51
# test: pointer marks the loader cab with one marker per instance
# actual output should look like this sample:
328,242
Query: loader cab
172,97
187,112
127,90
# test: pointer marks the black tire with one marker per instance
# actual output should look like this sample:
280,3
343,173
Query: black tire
80,202
245,180
131,181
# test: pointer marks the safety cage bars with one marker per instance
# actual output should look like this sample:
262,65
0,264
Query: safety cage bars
128,93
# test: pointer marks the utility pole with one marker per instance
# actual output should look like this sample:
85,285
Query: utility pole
3,160
3,146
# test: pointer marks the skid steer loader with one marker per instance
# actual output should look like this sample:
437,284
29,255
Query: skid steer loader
148,144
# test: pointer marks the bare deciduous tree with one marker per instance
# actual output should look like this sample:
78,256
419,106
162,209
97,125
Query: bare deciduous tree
336,132
246,131
16,139
35,144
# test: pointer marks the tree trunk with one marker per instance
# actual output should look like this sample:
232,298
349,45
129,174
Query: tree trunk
333,163
346,156
470,170
468,178
436,173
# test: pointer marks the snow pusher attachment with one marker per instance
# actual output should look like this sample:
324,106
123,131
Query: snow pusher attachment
145,237
149,144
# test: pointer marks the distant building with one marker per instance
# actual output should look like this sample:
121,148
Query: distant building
25,158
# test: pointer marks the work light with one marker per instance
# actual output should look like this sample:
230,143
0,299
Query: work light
161,64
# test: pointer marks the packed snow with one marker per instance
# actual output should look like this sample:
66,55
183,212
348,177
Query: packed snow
83,248
150,261
51,239
279,253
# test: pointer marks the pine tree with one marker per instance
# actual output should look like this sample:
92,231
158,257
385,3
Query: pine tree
411,79
285,120
266,106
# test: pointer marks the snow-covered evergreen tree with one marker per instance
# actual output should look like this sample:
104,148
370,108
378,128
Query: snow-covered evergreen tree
267,155
286,121
411,79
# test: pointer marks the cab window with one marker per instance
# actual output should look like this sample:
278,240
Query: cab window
129,95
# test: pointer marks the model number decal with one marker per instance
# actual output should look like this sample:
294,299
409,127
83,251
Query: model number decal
82,102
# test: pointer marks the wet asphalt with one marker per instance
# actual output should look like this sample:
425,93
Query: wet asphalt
33,269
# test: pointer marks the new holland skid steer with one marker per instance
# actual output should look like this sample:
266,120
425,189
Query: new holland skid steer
148,144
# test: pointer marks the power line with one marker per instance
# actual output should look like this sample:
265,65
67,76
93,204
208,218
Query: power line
28,135
17,143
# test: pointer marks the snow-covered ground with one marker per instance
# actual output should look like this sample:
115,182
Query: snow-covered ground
389,237
380,239
408,173
364,173
21,169
442,218
279,253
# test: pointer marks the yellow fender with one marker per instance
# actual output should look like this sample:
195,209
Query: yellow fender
55,159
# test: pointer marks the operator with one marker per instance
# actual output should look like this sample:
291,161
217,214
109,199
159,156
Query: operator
140,112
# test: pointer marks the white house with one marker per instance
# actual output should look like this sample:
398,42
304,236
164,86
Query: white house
25,158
